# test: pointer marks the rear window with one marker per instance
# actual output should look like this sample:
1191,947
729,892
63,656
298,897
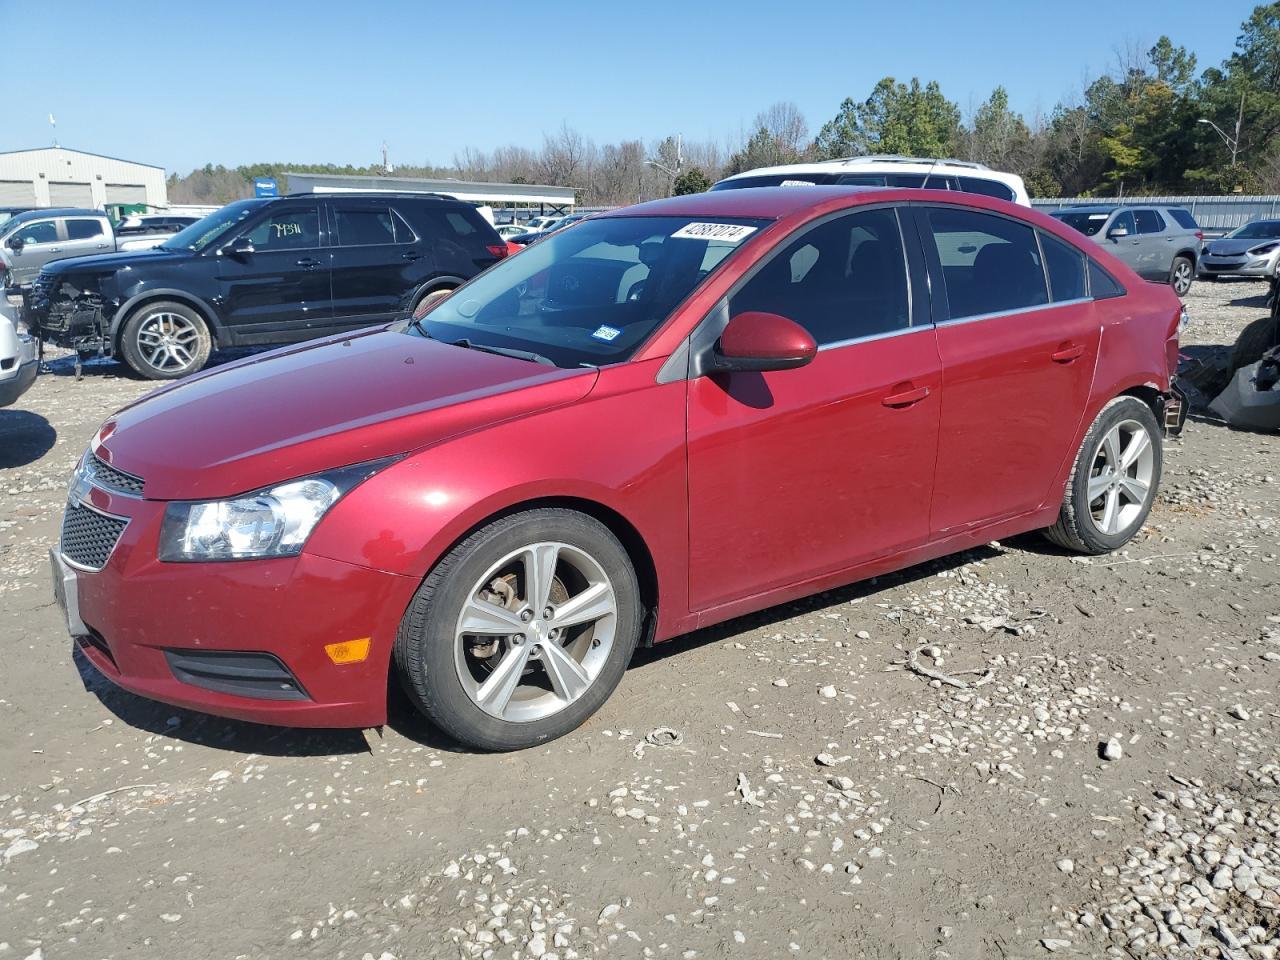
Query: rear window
1087,222
83,229
1149,221
369,225
1066,269
777,180
990,264
987,188
1101,284
1183,218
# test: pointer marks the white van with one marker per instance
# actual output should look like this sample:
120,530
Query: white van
888,171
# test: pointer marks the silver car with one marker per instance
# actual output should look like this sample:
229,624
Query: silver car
1249,251
32,239
1159,243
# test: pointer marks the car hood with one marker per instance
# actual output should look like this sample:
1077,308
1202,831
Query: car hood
325,404
107,262
1231,248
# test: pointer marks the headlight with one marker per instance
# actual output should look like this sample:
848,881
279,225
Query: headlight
274,522
1264,249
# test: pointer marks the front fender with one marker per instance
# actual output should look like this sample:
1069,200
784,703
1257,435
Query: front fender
133,298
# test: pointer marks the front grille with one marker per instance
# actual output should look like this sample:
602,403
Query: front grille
105,475
88,537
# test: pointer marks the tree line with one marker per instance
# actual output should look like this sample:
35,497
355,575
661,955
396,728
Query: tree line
1154,123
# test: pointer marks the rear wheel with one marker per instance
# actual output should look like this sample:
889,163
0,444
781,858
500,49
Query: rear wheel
430,298
1113,481
165,340
1181,274
522,631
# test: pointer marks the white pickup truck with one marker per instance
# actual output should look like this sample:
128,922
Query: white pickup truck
32,239
18,355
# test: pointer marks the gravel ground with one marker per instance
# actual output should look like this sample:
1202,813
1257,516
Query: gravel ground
1103,783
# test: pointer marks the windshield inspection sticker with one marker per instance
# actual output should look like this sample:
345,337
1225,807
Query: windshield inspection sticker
724,232
606,333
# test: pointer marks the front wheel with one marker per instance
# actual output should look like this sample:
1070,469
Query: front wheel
522,631
1113,481
165,340
1181,274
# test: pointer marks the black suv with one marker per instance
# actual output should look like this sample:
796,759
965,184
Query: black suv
266,271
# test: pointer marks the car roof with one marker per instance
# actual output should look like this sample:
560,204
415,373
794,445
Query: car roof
368,195
884,163
53,212
768,203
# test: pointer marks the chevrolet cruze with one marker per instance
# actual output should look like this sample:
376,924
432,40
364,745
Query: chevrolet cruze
657,419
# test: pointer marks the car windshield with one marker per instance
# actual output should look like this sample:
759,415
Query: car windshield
591,295
205,231
1087,222
1258,230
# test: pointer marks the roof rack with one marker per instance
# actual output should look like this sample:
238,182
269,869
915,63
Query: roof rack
896,158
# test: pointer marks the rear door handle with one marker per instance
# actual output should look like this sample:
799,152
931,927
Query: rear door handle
410,256
308,263
906,396
1068,352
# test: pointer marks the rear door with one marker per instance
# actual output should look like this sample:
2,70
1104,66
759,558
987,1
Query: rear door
86,236
1017,362
797,473
1157,251
279,292
376,258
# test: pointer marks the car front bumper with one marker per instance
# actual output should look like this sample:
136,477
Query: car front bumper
239,639
1212,265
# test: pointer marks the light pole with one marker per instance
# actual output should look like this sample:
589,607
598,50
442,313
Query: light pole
1232,142
671,174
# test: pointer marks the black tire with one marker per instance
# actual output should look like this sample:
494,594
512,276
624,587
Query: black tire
424,649
1181,273
1076,528
431,296
191,347
1255,340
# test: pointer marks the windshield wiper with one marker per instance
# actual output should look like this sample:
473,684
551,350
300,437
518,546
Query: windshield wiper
505,352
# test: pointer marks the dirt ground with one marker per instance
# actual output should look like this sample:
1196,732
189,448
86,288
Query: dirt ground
824,801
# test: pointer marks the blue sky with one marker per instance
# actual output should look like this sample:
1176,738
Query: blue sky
183,84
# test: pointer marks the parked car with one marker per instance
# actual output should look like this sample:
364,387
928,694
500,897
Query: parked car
264,271
19,361
1249,251
672,414
508,230
1157,242
887,171
144,223
8,213
30,240
537,224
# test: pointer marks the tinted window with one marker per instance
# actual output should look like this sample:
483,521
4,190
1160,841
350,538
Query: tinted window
990,264
1149,221
1101,286
363,226
295,228
1066,269
83,229
216,225
1183,218
38,231
777,179
1087,222
914,180
843,279
987,188
1124,219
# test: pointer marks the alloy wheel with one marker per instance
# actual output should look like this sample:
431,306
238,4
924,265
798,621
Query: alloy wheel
1181,277
1120,479
535,632
168,341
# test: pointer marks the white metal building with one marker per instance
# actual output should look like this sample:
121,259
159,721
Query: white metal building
57,177
559,199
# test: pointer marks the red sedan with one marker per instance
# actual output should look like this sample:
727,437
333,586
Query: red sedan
668,416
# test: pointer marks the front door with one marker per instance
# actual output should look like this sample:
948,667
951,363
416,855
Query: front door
376,259
797,473
1017,360
278,292
39,243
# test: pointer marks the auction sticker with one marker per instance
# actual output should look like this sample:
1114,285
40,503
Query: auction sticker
723,232
606,333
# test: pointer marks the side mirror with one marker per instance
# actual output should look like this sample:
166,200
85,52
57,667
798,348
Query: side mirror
239,247
15,243
1118,231
763,341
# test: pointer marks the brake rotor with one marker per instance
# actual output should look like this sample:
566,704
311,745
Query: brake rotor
501,592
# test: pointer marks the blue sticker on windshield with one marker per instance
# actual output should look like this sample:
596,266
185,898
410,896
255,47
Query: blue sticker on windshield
606,333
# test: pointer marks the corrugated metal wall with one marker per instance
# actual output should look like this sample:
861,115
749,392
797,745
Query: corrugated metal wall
1215,214
41,170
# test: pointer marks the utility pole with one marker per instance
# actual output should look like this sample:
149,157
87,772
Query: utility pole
672,173
1232,142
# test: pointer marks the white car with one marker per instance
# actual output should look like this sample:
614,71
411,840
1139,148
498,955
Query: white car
508,230
888,171
542,223
18,358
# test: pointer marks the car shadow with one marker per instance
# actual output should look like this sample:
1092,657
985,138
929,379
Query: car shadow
25,437
65,366
218,733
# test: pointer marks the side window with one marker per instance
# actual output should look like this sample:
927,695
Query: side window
363,226
460,225
1149,221
987,188
296,228
1066,269
1124,219
990,264
841,280
83,229
1183,218
38,231
1101,285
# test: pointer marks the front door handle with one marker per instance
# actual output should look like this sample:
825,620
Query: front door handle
102,246
55,249
410,256
308,263
905,395
1068,352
